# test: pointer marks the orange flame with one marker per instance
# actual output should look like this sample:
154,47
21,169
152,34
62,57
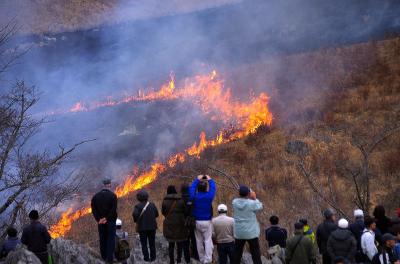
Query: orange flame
208,93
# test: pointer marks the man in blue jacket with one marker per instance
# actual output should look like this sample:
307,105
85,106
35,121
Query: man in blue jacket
246,227
202,193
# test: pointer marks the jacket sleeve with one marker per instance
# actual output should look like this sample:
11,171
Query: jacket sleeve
370,248
164,208
212,190
329,248
94,210
353,250
288,252
135,214
255,205
155,210
193,187
46,235
113,209
312,252
318,237
24,238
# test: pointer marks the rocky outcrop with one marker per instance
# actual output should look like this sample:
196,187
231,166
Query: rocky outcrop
21,256
68,252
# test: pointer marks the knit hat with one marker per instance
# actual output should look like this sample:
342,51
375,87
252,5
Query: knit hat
328,213
358,213
386,237
106,181
244,191
171,189
343,223
298,226
222,208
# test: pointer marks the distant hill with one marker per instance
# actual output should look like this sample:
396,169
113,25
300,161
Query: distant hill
38,16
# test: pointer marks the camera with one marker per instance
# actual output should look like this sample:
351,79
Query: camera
204,177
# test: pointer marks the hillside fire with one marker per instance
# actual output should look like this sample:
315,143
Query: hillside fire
209,94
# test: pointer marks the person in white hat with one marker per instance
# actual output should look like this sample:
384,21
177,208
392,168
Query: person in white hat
223,235
341,243
357,229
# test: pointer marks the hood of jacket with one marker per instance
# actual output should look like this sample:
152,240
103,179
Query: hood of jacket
240,203
341,234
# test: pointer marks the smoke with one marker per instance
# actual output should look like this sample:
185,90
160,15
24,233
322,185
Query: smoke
115,60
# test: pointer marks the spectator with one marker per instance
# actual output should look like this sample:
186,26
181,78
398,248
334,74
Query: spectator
357,229
275,235
36,237
144,215
383,223
246,227
202,193
175,211
190,223
395,223
323,232
368,239
104,210
300,248
122,247
10,243
386,253
307,230
341,243
223,235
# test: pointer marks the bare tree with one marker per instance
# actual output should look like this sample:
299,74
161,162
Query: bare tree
28,178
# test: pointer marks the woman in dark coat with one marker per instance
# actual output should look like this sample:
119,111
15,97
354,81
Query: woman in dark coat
175,211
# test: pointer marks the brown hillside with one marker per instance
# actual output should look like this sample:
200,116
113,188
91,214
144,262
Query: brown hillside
349,91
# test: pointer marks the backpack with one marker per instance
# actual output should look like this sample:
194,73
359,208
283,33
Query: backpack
123,250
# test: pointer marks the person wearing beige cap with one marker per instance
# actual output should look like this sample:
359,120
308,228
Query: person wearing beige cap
341,243
223,235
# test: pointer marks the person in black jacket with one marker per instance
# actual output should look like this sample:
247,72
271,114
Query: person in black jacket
341,243
36,237
383,223
275,235
104,210
144,215
192,237
323,232
357,229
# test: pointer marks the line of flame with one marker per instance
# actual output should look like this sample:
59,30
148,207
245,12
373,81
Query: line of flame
207,91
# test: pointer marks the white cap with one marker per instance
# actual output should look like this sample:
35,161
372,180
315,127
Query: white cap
358,213
222,208
118,222
343,223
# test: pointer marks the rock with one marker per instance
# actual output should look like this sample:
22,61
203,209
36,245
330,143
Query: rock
67,252
22,256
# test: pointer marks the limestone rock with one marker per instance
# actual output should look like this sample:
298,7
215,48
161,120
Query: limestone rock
67,252
22,256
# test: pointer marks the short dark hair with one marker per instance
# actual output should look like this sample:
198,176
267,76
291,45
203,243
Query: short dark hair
12,232
304,221
202,186
34,215
274,220
368,221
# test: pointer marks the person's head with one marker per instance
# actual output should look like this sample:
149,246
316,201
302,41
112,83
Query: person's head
222,209
118,223
34,215
379,212
339,260
303,221
244,191
171,189
329,214
106,183
369,222
12,232
274,220
185,189
142,196
343,223
389,240
202,186
298,227
358,214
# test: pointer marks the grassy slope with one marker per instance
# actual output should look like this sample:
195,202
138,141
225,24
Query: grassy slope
40,16
356,88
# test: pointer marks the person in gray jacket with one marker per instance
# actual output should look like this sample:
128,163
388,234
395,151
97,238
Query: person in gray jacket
223,235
